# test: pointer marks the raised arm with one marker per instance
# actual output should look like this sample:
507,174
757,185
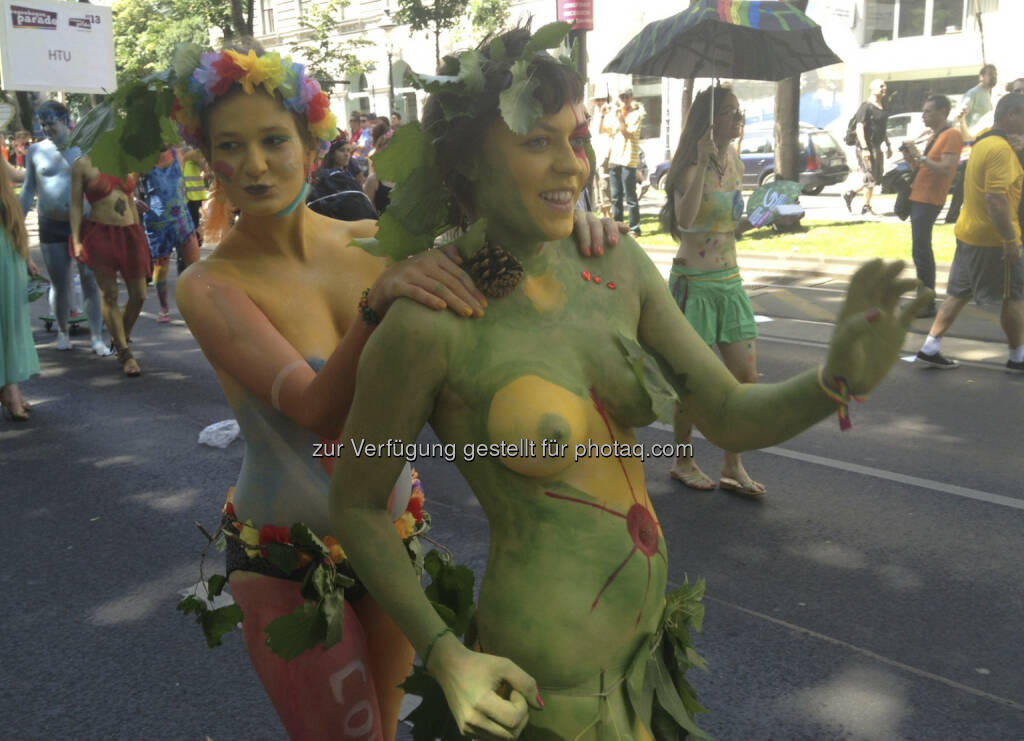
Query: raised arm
413,339
238,339
868,335
687,195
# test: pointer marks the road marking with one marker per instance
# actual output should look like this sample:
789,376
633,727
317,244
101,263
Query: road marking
804,306
869,653
989,365
959,491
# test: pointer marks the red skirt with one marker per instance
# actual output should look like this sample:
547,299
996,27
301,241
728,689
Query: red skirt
115,249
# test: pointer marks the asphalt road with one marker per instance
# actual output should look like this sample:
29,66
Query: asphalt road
875,593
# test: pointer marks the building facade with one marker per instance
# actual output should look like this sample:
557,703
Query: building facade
918,46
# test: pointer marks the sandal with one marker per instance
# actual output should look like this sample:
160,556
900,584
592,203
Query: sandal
694,479
128,362
750,489
12,416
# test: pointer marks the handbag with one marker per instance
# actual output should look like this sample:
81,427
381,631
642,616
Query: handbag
905,182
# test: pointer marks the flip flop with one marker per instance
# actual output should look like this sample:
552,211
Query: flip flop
695,479
732,485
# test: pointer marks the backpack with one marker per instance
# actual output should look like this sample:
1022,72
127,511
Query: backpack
851,132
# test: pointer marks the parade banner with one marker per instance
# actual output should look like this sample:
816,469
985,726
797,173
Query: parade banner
46,45
580,13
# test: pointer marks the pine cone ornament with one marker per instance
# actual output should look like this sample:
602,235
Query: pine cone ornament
495,271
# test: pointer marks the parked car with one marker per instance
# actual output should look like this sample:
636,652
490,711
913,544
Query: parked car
822,162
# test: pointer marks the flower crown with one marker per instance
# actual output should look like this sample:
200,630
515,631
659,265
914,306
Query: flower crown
202,80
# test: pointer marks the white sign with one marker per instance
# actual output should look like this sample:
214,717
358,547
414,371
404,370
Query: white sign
46,45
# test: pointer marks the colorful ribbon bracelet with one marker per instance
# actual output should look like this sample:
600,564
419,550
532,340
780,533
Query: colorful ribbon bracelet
370,316
841,394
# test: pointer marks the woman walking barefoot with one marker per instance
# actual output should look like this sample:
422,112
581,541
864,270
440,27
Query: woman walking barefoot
111,241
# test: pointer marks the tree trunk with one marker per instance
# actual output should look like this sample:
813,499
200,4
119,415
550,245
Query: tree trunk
24,109
787,122
437,48
241,25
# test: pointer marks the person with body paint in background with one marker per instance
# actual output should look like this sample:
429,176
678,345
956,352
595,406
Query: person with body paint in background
282,309
48,176
572,605
704,212
111,241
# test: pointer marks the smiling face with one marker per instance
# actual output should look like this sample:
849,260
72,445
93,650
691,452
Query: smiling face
257,153
527,186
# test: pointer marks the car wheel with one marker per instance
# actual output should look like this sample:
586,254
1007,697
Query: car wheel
768,178
662,181
813,190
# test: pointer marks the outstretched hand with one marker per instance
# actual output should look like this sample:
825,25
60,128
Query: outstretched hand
489,696
434,279
870,328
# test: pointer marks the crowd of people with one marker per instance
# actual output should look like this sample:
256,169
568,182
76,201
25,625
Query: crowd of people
546,350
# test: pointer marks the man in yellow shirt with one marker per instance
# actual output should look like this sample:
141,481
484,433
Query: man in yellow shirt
988,262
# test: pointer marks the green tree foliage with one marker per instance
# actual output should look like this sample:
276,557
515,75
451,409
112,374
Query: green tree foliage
328,59
146,32
488,16
433,16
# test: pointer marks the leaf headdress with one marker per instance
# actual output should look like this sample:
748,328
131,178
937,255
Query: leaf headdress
420,160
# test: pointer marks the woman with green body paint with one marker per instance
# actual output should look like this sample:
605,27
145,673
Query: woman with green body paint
574,590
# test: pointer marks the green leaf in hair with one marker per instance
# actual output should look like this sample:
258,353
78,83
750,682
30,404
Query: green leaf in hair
546,37
473,240
497,49
417,202
395,241
471,73
408,150
518,104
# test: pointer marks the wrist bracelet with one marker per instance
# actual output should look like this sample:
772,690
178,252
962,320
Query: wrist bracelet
841,395
430,646
370,316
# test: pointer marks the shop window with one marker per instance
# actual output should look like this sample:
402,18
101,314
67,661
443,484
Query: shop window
267,15
947,17
911,19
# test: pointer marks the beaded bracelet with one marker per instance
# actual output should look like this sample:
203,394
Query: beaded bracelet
430,647
841,395
370,316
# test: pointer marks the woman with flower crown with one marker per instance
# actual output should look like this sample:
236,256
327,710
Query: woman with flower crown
574,636
277,311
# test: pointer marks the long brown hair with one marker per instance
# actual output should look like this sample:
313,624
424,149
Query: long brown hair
10,216
698,121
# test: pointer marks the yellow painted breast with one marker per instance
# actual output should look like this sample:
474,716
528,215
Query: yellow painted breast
531,409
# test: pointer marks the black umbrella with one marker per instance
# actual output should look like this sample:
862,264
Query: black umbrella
727,38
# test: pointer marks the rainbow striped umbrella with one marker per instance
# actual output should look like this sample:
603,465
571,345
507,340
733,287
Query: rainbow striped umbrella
727,38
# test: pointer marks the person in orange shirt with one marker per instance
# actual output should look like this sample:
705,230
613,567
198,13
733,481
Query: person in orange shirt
988,264
935,170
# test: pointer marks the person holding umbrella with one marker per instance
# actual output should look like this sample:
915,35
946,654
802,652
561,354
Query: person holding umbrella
703,212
